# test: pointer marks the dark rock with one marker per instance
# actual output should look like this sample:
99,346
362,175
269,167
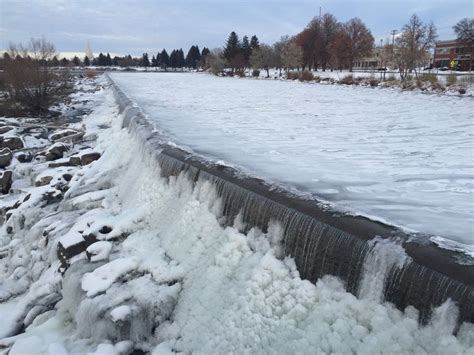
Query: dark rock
88,158
56,151
6,157
5,129
52,197
24,157
14,143
105,230
90,239
62,134
75,161
67,177
5,181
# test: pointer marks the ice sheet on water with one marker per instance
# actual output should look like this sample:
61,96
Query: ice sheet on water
402,156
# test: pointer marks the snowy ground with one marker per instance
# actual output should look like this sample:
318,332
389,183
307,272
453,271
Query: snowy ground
403,157
165,277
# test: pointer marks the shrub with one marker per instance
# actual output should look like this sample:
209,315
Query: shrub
451,79
256,73
469,79
391,78
240,73
90,73
32,87
437,86
348,80
292,75
462,91
306,76
373,82
431,78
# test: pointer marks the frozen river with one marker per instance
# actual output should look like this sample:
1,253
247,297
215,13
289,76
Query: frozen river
403,157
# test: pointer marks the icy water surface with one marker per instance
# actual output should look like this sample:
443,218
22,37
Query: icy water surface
403,157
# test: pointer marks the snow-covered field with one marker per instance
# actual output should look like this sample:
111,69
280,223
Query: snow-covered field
165,277
403,157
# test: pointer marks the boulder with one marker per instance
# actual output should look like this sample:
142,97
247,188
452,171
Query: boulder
13,142
56,151
88,158
75,161
62,134
6,157
5,181
24,157
5,129
43,180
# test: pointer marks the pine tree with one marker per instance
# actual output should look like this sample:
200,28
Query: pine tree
101,61
246,49
64,62
254,44
193,57
54,61
164,59
87,61
145,60
232,46
180,58
153,61
205,51
115,61
108,60
76,61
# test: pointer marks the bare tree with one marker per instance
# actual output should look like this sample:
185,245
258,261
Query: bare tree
215,61
291,56
464,30
263,57
358,41
278,49
415,41
32,86
329,29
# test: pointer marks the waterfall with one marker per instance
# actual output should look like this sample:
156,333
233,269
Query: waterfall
374,260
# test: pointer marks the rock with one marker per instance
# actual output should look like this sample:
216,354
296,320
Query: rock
75,161
56,151
24,157
88,158
62,134
43,180
5,181
60,162
67,177
5,129
14,143
52,197
6,157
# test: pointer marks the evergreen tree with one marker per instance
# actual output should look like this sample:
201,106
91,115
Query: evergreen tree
54,61
205,51
158,59
153,61
87,61
180,58
101,61
164,59
246,50
254,44
115,61
64,62
173,59
108,60
193,57
76,61
232,47
145,61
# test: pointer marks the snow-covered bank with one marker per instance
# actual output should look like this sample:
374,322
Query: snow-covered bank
167,277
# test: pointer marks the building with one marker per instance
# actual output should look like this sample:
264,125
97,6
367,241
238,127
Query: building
447,51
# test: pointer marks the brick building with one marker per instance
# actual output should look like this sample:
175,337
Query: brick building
446,51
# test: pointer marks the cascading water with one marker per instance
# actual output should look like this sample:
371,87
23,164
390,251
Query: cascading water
320,241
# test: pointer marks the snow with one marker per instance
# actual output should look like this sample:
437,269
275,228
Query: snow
176,281
401,157
103,277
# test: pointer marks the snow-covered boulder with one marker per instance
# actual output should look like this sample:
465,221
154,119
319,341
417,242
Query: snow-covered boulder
12,142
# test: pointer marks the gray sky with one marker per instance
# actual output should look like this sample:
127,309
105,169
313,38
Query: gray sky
126,26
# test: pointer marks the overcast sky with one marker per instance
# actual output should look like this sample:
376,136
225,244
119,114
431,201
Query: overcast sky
127,26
